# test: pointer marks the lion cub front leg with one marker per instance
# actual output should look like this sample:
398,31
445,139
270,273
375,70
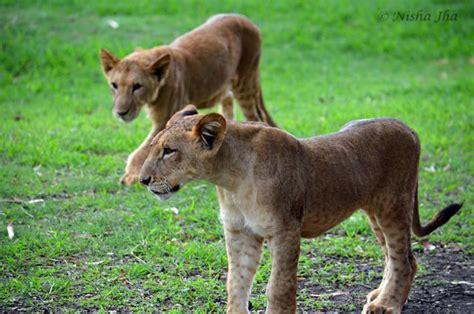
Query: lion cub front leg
281,290
136,159
243,251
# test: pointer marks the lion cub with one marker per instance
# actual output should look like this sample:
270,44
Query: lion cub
274,187
211,64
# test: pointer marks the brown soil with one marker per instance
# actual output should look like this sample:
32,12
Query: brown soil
448,288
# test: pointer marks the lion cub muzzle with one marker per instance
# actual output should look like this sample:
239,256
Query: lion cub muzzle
161,189
124,109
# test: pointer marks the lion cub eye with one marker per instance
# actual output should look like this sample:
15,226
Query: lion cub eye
136,87
167,152
114,85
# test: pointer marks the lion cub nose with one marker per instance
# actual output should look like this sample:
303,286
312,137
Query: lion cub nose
145,180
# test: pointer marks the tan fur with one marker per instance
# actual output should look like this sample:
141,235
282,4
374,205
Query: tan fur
273,186
211,64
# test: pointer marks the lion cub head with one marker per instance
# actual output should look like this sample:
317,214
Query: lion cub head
136,79
183,151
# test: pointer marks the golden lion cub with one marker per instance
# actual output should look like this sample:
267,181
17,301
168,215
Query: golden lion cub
211,64
275,187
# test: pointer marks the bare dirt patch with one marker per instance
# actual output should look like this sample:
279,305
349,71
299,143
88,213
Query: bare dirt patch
448,288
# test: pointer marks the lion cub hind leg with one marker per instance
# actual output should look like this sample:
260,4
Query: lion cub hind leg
246,89
227,106
246,92
243,251
395,222
381,239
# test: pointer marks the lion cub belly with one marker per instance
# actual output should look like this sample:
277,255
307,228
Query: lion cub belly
316,223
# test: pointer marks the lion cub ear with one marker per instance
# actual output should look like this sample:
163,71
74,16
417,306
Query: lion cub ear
160,66
108,60
189,110
210,130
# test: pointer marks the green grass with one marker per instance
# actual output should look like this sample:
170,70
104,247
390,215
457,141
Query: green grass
92,244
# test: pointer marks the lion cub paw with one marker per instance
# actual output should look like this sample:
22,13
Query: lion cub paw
129,179
373,295
379,308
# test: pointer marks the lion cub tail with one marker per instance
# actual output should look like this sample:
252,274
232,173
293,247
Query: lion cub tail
437,221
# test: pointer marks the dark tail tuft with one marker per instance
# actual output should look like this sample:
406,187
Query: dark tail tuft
437,221
449,212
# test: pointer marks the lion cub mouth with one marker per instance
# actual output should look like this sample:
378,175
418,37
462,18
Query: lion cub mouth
164,195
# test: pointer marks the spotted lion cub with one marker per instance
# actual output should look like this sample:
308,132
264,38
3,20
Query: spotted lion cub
275,187
214,63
